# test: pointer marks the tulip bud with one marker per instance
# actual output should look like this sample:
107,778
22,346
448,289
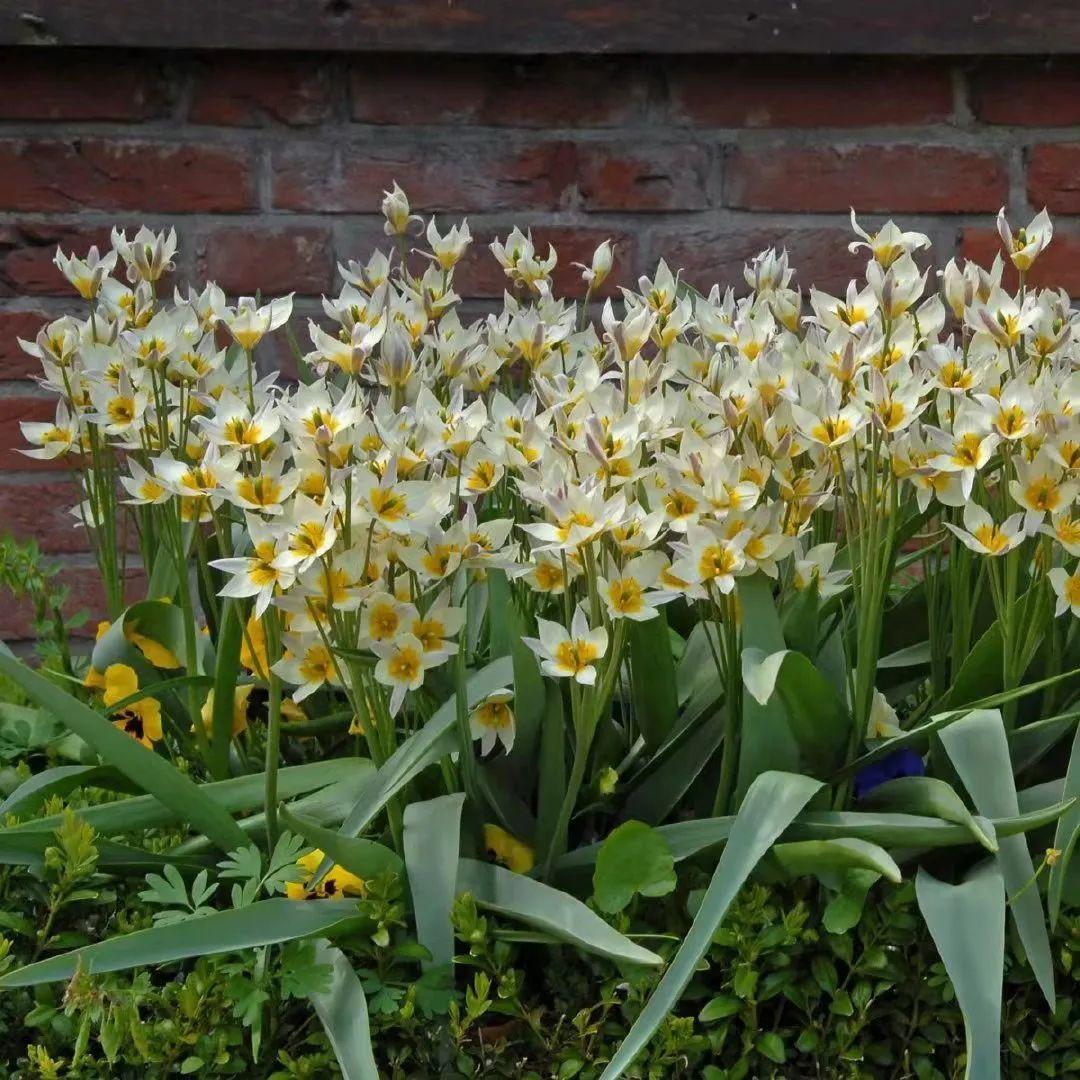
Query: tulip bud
395,208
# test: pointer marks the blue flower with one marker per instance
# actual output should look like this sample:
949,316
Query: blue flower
899,763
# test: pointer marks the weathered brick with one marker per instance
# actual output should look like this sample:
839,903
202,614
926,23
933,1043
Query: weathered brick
42,85
274,261
71,174
886,179
1053,177
85,594
1057,267
537,92
710,255
12,411
14,363
42,511
1027,92
480,275
26,256
238,90
446,176
792,92
614,176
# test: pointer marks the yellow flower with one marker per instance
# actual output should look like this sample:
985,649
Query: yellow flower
337,882
140,719
508,850
253,648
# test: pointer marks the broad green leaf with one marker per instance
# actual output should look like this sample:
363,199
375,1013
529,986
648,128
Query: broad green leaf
660,789
28,849
344,1015
802,621
696,678
1067,832
979,751
552,780
911,656
933,798
155,620
843,912
61,780
548,910
433,741
226,672
918,736
655,697
771,803
967,923
267,922
164,578
816,717
898,831
432,841
1029,744
802,857
360,856
767,743
237,795
153,773
507,629
633,859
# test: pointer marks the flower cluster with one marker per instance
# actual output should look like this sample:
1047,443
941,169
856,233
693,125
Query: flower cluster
607,467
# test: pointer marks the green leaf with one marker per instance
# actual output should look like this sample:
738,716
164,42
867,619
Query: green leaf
843,912
766,739
770,1045
154,619
802,857
1068,829
979,751
432,841
911,656
343,1011
269,922
633,859
153,773
433,741
816,717
934,798
660,789
226,672
547,909
655,697
552,780
233,796
1029,744
60,781
967,923
772,802
507,631
28,849
899,831
365,858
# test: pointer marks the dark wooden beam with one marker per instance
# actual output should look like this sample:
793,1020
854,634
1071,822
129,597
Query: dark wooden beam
956,27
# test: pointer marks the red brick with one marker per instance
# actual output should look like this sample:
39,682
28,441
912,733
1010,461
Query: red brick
243,260
42,511
444,176
613,176
42,85
1054,177
711,255
85,594
247,91
14,363
792,92
1027,92
886,179
1057,267
75,174
12,411
26,256
480,275
540,92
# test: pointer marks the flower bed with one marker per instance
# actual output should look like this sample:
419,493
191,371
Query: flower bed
553,631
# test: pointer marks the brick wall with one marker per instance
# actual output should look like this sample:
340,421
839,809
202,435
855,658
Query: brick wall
271,168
